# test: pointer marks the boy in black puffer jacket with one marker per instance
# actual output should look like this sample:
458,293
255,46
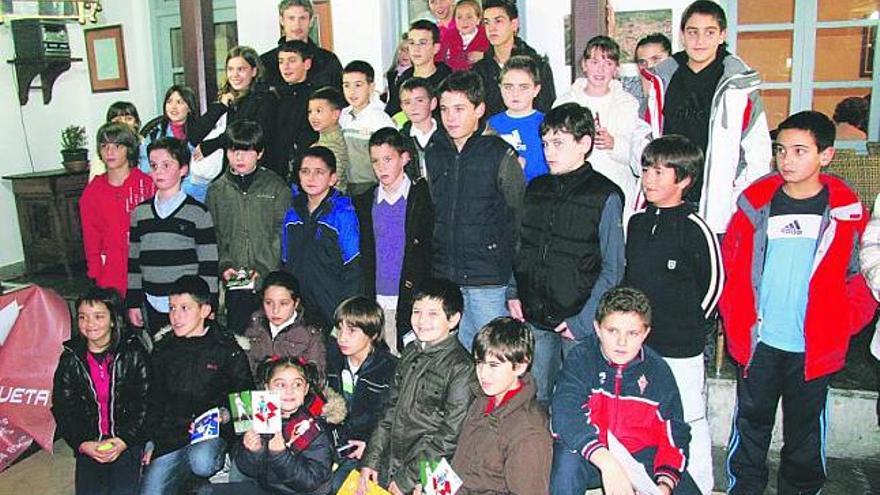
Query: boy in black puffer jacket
194,370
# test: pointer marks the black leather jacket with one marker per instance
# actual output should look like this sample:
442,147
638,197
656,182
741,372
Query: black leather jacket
75,406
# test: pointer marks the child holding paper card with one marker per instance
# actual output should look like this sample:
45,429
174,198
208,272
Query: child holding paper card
299,458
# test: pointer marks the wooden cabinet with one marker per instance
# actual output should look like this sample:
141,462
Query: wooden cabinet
48,217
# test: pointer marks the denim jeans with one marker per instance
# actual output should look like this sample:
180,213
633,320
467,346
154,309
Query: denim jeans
482,304
571,474
166,473
550,350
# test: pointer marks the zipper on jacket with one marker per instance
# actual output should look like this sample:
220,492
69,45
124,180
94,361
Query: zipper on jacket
94,392
112,396
618,387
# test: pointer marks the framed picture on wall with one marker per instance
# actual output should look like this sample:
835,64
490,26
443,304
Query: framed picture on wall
631,26
866,62
105,51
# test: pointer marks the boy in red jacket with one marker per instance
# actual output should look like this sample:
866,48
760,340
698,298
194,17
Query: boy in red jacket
793,298
106,204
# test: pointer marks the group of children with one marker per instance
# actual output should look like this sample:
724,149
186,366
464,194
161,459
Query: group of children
451,283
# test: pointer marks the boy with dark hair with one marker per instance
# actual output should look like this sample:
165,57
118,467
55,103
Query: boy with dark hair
170,235
477,184
396,220
673,256
519,124
320,244
418,102
793,298
615,390
291,132
423,40
363,116
325,107
614,111
430,394
295,18
247,203
501,18
195,366
571,244
690,89
505,446
106,204
360,369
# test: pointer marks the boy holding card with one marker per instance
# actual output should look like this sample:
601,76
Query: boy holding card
195,365
430,394
360,369
505,446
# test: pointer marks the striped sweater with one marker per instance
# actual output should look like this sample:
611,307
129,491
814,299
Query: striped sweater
161,250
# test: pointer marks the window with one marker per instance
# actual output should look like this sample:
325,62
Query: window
811,53
168,42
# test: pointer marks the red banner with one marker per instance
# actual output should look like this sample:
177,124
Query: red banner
28,358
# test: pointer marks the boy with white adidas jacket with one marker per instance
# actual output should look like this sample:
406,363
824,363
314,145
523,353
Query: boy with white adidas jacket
615,113
712,98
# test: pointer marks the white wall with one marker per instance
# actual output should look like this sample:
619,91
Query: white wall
545,32
30,133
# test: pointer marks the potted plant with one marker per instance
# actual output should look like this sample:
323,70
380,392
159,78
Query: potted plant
74,154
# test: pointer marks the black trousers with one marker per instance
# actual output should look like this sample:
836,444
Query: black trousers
773,374
120,477
240,304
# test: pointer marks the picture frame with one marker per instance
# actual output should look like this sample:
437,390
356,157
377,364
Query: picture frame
866,60
105,51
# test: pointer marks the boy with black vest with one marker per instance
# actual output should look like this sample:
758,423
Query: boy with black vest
477,184
571,248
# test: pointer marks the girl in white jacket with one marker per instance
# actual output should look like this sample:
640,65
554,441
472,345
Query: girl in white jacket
615,113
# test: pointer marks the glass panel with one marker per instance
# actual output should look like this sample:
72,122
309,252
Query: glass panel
844,54
776,105
225,38
763,12
847,10
767,52
826,100
176,47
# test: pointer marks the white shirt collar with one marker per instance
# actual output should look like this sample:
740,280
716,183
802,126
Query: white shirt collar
392,197
276,329
423,137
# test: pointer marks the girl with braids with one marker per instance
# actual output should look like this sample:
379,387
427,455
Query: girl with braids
299,459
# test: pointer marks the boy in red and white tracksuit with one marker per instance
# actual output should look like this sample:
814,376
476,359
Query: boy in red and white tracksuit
793,298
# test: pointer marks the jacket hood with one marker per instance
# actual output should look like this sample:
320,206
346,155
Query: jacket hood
843,203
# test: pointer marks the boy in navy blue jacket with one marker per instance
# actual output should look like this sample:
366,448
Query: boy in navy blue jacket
612,385
320,242
360,369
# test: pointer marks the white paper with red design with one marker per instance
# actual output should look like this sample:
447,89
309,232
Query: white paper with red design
442,480
267,412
